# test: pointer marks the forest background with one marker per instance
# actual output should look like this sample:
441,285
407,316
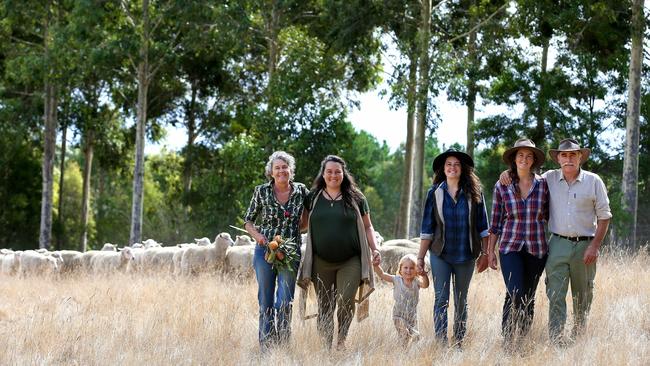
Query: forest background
245,78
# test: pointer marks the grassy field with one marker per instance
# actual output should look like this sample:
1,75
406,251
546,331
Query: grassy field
124,320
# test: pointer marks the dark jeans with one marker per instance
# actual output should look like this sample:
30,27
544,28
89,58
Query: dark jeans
521,273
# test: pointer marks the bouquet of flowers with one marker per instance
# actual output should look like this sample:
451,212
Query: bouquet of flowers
282,253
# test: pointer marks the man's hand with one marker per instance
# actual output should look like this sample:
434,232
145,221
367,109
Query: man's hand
591,254
504,178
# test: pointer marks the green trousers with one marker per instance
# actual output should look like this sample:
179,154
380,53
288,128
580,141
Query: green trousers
336,285
565,264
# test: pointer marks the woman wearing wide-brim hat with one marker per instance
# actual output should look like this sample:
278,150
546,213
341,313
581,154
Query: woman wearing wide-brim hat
519,214
454,232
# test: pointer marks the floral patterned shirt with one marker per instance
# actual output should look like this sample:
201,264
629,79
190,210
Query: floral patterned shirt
274,218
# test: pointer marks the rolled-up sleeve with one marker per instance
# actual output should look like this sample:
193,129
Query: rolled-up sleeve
497,211
482,223
428,224
253,207
603,211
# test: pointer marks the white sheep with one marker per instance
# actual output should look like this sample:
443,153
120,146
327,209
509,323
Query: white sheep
105,262
150,243
136,265
108,247
160,260
401,243
34,263
71,260
206,258
11,263
239,260
243,240
203,241
86,260
178,257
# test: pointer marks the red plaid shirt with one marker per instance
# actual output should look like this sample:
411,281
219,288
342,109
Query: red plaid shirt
520,222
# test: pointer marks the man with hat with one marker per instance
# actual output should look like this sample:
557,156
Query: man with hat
579,217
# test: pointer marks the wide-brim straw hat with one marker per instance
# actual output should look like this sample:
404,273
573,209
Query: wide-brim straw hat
570,145
439,161
509,155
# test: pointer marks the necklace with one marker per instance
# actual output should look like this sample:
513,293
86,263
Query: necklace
332,199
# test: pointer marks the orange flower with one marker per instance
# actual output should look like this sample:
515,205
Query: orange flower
279,255
273,245
278,238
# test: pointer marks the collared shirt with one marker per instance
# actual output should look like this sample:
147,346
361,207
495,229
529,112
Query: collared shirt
520,221
575,208
274,218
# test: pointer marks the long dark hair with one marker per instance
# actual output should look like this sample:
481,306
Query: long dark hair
349,188
469,181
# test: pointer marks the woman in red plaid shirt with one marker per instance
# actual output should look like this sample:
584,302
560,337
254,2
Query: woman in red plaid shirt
519,213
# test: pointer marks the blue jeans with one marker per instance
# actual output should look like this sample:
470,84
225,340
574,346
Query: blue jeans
275,296
443,274
521,272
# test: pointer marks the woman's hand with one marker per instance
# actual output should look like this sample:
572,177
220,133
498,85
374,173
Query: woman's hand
420,266
376,257
261,239
492,259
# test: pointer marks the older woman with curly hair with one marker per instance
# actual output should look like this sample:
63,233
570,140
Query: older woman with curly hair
278,206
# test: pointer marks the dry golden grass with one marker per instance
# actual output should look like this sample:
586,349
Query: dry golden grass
125,320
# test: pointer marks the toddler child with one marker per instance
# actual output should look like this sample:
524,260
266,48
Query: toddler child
406,288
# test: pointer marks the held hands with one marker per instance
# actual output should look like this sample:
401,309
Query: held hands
376,257
420,267
492,259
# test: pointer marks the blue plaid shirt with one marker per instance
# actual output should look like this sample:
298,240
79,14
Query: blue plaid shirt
456,249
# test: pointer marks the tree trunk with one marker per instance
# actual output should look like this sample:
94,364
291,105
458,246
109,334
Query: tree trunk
272,26
403,216
632,128
49,137
191,136
59,219
85,201
138,172
539,136
471,91
421,118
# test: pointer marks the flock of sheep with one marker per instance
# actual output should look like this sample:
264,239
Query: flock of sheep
224,254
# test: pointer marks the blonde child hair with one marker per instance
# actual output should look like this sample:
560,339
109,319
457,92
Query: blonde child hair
407,257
